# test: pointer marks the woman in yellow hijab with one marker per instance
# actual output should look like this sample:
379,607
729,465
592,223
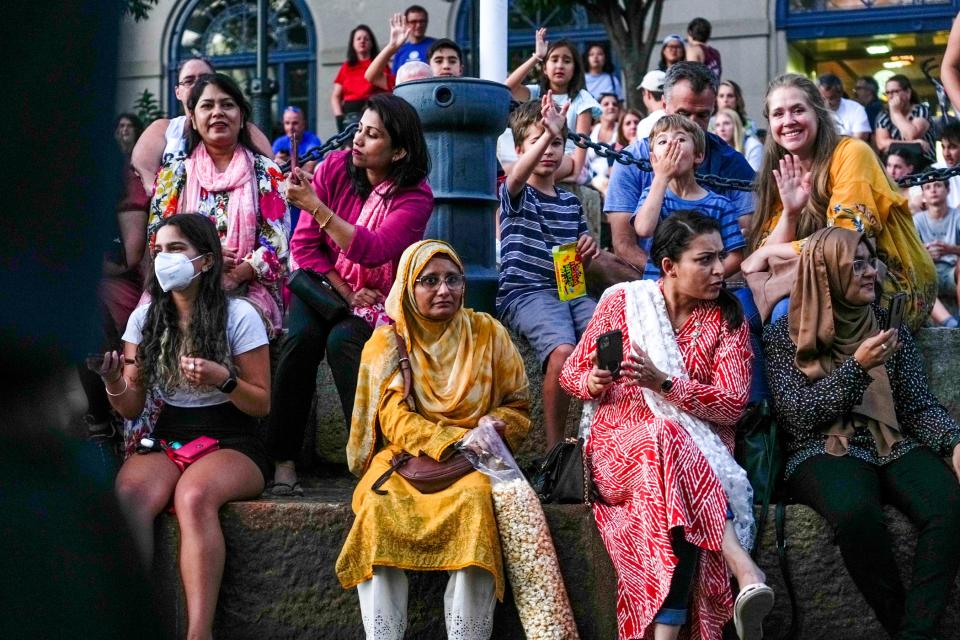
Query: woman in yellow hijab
464,368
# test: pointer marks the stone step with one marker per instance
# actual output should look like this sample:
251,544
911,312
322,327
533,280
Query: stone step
279,579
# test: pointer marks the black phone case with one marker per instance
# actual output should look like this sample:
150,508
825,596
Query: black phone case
895,312
610,351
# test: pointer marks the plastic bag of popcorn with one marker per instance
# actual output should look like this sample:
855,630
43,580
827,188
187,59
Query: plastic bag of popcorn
528,552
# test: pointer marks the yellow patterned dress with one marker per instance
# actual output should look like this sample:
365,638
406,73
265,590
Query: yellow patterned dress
863,199
463,369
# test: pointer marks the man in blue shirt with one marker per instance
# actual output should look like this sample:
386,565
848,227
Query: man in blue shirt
690,90
294,123
418,42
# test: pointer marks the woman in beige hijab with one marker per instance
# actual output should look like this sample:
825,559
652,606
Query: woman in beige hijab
863,430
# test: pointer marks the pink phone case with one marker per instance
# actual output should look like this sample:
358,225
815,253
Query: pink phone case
196,449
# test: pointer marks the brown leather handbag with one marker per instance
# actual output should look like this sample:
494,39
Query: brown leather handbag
423,472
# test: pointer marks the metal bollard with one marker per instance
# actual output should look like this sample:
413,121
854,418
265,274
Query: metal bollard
462,118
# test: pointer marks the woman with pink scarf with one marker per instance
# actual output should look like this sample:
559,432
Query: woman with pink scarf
241,191
364,207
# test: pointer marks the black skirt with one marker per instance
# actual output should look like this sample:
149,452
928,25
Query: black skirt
224,422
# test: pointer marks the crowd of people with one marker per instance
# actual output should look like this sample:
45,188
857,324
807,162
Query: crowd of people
780,294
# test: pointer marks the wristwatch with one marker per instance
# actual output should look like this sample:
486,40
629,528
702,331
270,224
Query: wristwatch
228,385
666,385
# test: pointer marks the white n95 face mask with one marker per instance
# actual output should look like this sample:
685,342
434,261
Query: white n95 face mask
174,271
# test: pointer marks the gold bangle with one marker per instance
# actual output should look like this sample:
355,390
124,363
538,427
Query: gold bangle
324,224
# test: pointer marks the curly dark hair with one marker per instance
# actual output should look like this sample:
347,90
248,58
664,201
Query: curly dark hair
403,126
159,351
672,238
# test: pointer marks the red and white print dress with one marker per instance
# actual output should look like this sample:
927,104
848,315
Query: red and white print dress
651,476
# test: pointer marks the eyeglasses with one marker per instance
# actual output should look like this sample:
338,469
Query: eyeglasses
189,81
416,21
860,265
454,282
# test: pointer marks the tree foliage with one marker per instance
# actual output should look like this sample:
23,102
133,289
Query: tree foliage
147,108
138,9
632,27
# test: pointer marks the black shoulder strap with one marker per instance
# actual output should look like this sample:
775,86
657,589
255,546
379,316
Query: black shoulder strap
781,516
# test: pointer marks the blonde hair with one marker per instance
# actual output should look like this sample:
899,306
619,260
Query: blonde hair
814,214
737,126
674,122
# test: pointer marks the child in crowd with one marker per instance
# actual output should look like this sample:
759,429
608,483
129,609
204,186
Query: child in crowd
446,52
535,217
562,75
445,58
677,146
939,229
950,147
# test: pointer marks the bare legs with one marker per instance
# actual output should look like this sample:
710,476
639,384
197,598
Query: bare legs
555,401
144,487
744,569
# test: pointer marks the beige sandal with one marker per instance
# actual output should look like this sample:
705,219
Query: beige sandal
753,604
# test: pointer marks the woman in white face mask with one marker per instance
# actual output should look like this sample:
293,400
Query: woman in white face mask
207,357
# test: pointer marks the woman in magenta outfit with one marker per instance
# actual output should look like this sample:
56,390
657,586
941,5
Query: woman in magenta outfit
365,206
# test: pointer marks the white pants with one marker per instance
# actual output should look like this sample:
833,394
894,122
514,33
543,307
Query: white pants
468,604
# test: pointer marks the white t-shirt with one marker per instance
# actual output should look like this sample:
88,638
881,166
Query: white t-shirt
245,332
645,126
851,118
599,166
753,152
946,229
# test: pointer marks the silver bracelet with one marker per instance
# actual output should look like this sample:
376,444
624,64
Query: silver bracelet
125,387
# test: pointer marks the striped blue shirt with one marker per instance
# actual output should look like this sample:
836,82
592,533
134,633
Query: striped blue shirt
531,225
712,205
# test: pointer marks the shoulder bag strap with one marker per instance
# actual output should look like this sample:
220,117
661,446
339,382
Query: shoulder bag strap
405,370
794,628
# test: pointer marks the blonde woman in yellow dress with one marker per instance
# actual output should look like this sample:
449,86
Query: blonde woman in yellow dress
812,178
465,369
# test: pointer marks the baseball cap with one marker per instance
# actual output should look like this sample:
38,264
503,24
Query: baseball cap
653,81
672,37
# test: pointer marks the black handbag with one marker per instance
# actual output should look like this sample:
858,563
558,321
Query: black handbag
318,293
564,476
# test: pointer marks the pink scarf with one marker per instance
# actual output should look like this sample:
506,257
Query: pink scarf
239,180
375,210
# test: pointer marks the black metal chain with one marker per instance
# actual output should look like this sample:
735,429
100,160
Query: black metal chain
332,144
623,157
719,182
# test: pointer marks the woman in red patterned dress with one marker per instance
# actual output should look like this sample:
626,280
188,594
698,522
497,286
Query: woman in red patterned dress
674,509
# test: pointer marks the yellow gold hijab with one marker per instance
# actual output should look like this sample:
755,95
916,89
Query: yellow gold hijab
461,368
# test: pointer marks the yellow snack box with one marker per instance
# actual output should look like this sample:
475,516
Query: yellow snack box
568,267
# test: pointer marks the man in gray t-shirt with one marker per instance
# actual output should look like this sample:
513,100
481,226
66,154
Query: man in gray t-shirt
939,229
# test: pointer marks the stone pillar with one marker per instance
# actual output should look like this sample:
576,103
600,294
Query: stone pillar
493,40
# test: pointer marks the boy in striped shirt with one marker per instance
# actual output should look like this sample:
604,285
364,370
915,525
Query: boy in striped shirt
677,146
536,216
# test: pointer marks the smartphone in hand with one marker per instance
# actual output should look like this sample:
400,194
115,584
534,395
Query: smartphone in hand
610,351
294,159
895,310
